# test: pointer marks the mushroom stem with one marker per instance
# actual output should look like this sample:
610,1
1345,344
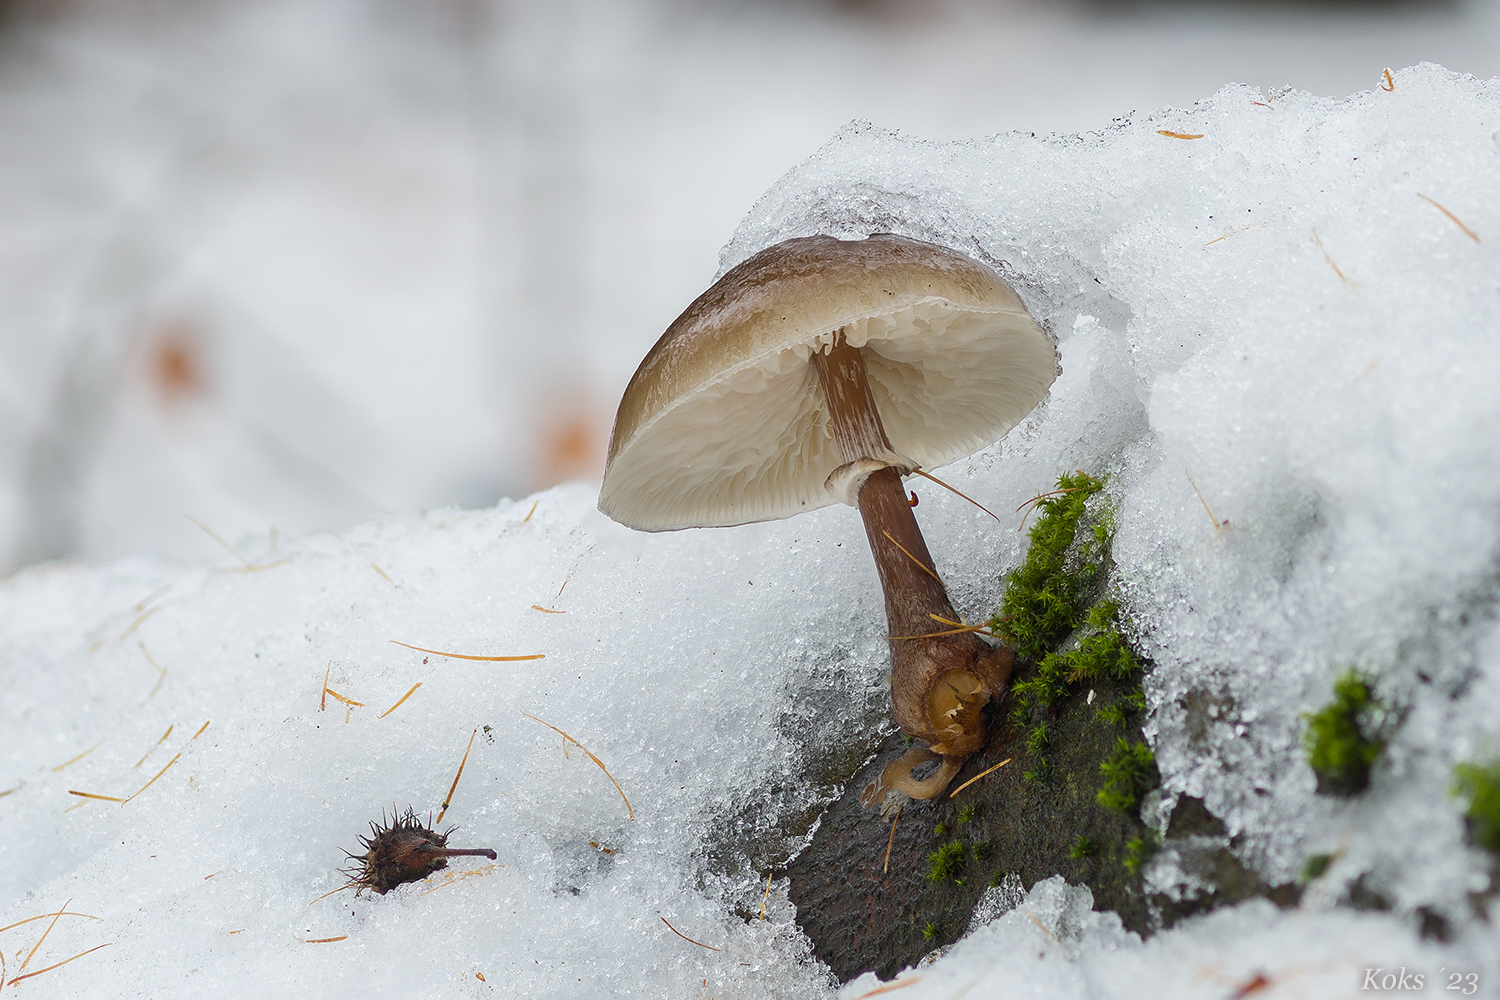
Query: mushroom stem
939,684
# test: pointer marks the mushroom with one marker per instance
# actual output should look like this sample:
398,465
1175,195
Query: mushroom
823,370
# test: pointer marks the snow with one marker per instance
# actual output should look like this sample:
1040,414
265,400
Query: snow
1279,310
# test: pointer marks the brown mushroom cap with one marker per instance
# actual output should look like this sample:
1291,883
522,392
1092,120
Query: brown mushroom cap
725,423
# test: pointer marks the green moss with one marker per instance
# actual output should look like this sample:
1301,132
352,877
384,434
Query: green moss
1040,774
946,863
930,931
1038,739
1480,785
967,813
1315,867
1084,847
1344,737
941,830
1138,850
1043,600
1128,773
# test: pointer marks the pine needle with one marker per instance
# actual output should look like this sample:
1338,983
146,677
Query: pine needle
950,489
596,760
65,961
981,774
65,913
341,937
1203,501
686,938
161,671
75,760
465,656
383,573
55,918
153,780
398,705
155,745
899,984
212,534
449,800
891,842
1467,231
908,555
136,624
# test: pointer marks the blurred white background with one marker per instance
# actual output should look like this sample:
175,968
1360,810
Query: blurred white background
291,264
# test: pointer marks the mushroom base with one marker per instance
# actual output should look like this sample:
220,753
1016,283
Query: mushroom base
940,678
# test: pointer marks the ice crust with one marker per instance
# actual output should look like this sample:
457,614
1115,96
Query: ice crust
1274,310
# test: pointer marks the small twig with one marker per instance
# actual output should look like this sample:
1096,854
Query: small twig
341,937
766,898
399,704
981,774
200,730
591,757
548,611
464,656
449,800
1390,83
530,512
891,841
1178,135
1467,231
383,573
908,555
323,701
686,938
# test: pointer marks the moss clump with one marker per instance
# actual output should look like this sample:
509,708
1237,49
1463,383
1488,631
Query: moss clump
1119,712
1480,785
1344,737
1044,596
1037,740
1128,773
1315,867
1084,847
1040,774
946,863
968,812
929,930
1138,851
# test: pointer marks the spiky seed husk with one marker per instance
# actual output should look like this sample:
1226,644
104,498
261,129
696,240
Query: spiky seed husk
404,851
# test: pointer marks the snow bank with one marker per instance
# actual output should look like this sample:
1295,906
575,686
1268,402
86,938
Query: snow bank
1289,308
